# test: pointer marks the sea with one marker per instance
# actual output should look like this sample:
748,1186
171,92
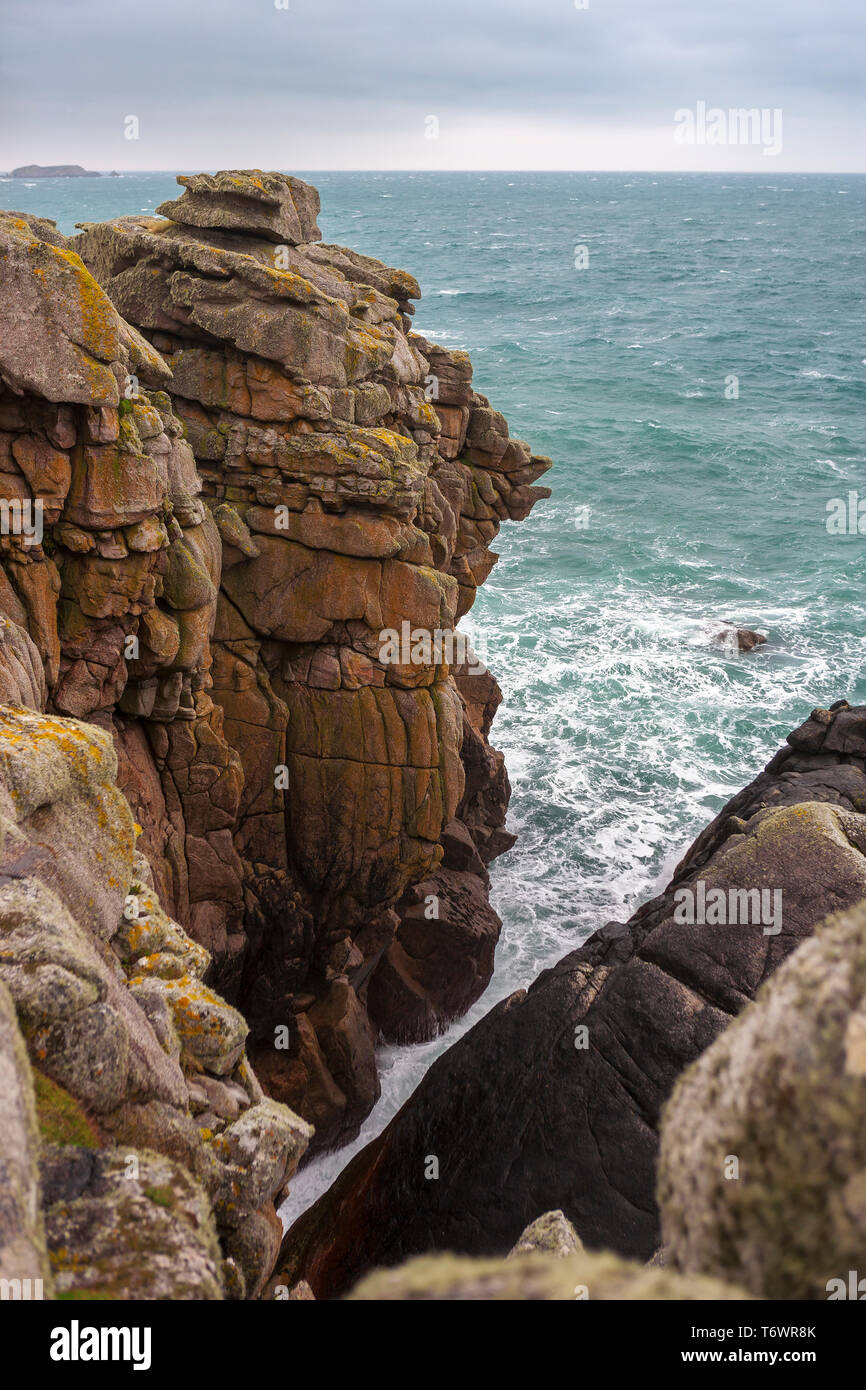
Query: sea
690,350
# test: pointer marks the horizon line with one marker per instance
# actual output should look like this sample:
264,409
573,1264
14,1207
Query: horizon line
296,169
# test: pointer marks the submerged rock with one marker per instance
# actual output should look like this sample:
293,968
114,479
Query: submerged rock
739,638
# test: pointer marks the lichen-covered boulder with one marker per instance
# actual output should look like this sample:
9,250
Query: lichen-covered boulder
128,1225
277,206
129,1044
762,1172
550,1234
259,1151
212,1033
65,815
536,1278
82,1025
60,333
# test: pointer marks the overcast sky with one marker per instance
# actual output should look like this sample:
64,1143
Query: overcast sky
352,84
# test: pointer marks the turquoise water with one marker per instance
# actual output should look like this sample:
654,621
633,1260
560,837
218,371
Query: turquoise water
625,727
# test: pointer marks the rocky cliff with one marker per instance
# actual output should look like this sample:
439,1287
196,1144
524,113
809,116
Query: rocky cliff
246,507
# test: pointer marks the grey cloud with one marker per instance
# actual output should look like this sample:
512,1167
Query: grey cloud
203,66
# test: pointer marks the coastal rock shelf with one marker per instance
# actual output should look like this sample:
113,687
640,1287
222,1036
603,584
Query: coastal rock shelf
248,468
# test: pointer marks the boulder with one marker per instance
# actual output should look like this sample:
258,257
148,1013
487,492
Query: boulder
550,1234
275,206
762,1168
59,332
129,1226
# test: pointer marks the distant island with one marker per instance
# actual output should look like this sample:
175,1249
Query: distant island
55,171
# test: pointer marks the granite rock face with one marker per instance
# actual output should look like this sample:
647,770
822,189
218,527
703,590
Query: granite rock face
554,1098
762,1173
160,1157
301,737
23,1255
263,504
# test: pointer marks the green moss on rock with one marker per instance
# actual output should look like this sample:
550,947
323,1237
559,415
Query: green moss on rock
60,1118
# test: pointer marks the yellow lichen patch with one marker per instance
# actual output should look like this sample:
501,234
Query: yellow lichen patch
99,321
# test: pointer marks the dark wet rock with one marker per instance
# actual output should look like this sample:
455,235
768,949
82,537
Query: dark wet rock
743,638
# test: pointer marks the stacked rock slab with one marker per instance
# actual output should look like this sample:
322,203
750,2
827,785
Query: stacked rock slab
110,561
234,504
554,1098
155,1159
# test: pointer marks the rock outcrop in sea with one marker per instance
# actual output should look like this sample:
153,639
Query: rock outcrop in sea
761,1176
53,171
